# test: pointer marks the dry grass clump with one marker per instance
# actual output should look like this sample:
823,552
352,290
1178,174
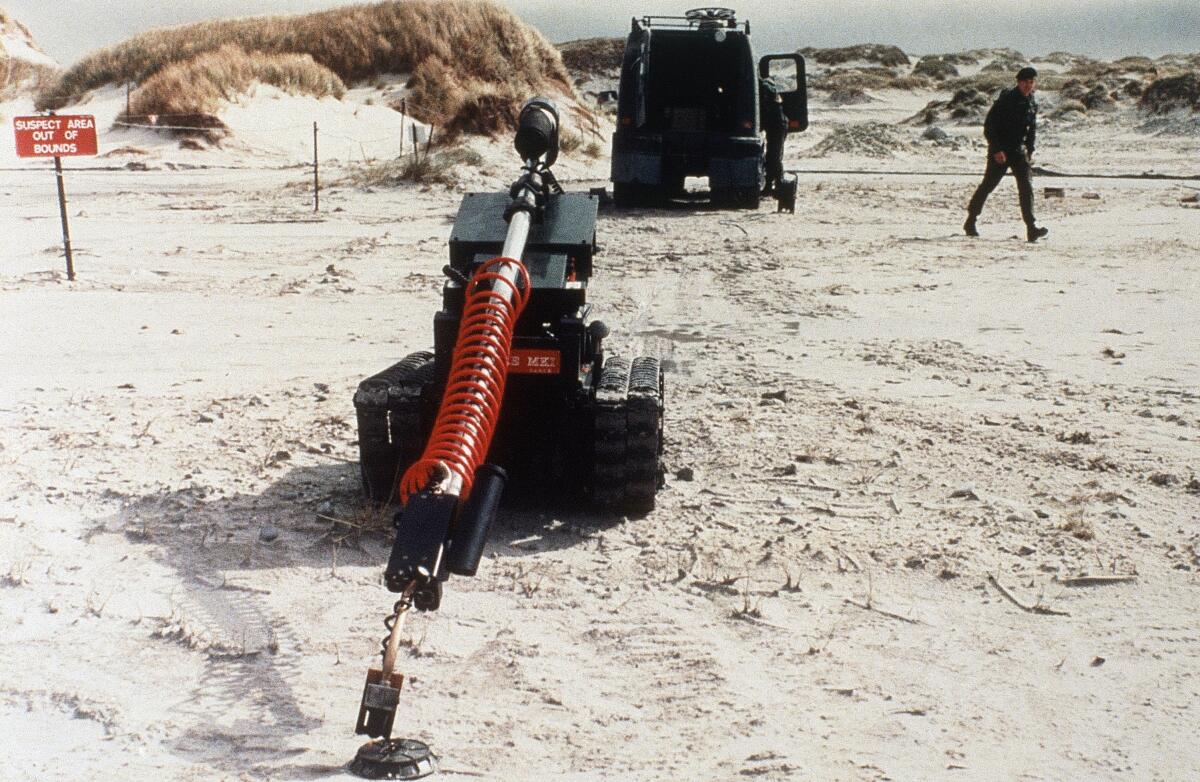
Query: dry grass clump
887,56
850,97
1136,63
1000,53
593,55
569,141
1066,59
966,105
21,77
468,49
871,78
935,67
18,76
1072,89
1004,65
1050,82
1100,97
1133,88
190,93
959,58
436,168
1094,70
874,139
1078,526
909,83
1068,107
1173,92
464,105
989,82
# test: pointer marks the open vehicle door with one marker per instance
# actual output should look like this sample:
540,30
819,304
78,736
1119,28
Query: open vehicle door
787,72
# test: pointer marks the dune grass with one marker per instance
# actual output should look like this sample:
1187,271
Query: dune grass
465,56
593,55
868,78
190,93
19,76
424,168
883,54
1172,93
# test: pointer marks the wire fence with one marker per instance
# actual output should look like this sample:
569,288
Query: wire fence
411,136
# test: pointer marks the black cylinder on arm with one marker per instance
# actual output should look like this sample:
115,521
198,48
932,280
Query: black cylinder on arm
537,131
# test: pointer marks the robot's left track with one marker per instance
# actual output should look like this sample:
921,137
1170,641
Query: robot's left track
394,417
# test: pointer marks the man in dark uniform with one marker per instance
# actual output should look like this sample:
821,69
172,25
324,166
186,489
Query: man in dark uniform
1011,130
774,123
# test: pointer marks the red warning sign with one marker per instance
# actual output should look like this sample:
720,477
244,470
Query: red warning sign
64,135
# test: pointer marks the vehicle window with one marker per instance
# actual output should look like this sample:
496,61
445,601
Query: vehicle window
785,75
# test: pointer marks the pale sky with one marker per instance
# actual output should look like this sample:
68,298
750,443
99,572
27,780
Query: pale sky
67,29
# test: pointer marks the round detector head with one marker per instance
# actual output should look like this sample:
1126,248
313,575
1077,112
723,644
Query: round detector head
537,131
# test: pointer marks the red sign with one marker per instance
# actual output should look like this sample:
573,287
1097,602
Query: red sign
534,362
64,135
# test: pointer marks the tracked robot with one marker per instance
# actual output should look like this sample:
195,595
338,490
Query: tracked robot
517,389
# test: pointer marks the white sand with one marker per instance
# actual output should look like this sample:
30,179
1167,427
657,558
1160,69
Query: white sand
954,409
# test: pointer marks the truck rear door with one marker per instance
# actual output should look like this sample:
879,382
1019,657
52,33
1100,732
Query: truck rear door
787,71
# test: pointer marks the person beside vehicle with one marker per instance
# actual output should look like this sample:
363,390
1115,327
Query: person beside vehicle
774,122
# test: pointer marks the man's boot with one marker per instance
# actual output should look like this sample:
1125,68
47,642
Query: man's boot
1033,233
969,226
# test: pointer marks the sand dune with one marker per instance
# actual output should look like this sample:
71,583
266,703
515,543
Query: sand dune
931,503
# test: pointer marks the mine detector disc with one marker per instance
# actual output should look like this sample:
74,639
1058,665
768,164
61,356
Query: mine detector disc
387,757
394,759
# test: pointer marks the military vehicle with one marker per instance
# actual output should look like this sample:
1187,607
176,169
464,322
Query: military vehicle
688,106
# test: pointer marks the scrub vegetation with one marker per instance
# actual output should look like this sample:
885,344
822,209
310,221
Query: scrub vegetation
593,55
471,62
189,93
19,76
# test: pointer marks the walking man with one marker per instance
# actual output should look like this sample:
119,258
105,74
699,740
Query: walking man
1010,130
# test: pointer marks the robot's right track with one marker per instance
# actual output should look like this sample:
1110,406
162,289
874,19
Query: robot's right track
627,453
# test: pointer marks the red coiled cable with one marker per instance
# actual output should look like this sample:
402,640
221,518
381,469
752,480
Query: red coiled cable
470,407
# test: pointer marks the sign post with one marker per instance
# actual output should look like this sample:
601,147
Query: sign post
69,135
62,210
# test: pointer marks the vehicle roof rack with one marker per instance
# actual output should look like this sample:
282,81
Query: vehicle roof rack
710,18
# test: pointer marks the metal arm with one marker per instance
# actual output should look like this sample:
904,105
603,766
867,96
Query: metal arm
423,551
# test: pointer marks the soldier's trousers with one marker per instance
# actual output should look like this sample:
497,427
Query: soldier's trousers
773,158
992,176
